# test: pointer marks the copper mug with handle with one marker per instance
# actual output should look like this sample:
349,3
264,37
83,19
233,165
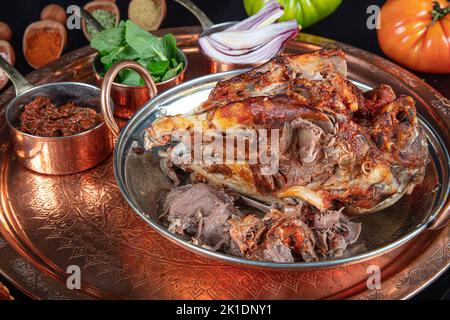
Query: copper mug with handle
107,85
56,155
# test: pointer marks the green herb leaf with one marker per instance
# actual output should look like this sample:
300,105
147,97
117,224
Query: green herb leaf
130,78
169,43
146,44
109,39
129,42
122,53
172,72
158,68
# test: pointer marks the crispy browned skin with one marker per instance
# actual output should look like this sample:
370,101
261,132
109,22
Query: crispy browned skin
337,146
274,76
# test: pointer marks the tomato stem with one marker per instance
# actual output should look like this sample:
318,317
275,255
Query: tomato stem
438,12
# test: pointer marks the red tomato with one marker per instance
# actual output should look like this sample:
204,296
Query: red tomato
416,34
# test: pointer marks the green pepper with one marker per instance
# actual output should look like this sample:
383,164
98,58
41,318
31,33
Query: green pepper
306,12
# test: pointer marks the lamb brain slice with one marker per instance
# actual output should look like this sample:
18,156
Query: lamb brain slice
338,146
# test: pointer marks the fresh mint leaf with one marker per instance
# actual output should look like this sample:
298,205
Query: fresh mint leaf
158,68
169,44
174,62
145,62
131,78
122,53
172,72
146,44
109,39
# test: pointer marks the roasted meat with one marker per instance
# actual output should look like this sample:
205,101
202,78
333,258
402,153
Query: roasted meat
336,147
200,212
292,235
211,218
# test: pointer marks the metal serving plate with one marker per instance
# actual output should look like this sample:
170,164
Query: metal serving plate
49,223
143,183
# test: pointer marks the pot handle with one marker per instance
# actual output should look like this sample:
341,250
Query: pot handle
441,220
197,12
20,83
105,98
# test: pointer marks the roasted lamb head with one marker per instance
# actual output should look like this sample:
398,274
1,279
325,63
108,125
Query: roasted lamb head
334,146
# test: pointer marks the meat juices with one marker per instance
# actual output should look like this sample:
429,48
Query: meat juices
42,118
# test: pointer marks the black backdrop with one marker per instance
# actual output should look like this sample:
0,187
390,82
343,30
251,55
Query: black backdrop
347,24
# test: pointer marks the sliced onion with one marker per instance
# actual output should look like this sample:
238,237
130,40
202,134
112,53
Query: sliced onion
259,55
268,14
229,51
252,38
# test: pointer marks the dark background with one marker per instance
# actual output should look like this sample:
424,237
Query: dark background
347,24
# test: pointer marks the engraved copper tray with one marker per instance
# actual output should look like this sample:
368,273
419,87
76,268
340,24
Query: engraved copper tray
49,223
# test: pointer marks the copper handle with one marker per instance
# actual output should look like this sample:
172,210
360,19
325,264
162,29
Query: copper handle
108,80
20,83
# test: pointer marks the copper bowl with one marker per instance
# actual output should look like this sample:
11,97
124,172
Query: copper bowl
57,155
128,99
39,26
102,5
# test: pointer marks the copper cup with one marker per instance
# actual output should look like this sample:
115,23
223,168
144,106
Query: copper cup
108,87
56,155
128,99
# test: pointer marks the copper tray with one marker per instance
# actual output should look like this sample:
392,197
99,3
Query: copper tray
49,223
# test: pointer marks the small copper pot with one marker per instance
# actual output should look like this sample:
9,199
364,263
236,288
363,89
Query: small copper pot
108,86
56,155
128,99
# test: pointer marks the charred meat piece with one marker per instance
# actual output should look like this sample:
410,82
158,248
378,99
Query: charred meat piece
287,236
273,77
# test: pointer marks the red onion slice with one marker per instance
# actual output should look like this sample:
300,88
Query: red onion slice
268,14
260,55
253,40
247,39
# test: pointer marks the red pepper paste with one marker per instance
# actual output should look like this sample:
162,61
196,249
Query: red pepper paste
42,118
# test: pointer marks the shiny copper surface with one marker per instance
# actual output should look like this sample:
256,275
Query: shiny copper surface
60,155
128,99
63,155
48,223
107,84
